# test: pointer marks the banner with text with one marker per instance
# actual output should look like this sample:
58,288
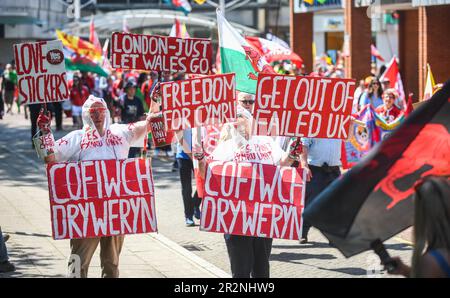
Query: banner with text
101,198
300,106
161,53
160,135
253,200
41,72
210,100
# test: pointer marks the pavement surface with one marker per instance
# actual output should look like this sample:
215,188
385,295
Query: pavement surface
175,251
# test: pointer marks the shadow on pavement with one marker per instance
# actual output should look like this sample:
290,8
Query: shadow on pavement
24,257
28,234
290,257
348,270
311,244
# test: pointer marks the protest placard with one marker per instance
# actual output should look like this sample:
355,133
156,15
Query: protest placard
300,106
101,198
161,53
160,135
253,200
41,72
210,100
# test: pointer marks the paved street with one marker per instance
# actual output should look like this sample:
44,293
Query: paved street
176,251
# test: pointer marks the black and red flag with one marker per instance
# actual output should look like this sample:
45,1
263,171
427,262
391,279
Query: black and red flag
374,199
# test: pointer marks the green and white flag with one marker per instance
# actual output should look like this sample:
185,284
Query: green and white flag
238,56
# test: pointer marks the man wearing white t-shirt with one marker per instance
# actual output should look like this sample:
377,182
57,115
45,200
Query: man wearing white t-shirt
98,140
249,256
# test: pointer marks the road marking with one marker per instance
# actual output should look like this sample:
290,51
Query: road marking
401,240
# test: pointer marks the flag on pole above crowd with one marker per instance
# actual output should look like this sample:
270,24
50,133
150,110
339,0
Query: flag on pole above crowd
179,30
374,52
392,74
379,190
429,84
79,45
238,56
272,51
181,5
82,55
93,37
125,27
106,64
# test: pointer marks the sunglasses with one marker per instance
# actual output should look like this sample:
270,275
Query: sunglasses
248,102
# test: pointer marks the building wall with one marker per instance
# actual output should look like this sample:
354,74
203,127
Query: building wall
387,42
437,38
408,51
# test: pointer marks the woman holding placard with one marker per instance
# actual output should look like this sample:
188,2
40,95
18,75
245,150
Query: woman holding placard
249,256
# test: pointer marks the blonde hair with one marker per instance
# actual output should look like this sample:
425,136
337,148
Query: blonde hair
431,218
391,91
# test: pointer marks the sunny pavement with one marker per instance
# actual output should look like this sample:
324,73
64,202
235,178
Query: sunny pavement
177,251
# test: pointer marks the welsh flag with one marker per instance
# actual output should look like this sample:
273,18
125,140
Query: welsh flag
76,61
240,57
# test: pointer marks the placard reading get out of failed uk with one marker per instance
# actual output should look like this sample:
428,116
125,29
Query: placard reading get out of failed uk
300,106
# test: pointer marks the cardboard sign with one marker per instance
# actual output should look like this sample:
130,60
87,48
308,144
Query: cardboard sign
302,106
210,100
161,53
161,137
41,72
253,200
101,198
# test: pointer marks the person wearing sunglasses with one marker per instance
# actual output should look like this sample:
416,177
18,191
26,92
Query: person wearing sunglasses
373,95
431,254
246,100
249,256
98,140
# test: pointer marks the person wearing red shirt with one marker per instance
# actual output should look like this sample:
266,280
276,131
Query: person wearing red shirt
78,95
88,81
388,110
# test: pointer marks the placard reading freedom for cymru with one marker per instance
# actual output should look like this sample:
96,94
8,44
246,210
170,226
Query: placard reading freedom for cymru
101,198
209,100
253,200
41,72
161,53
301,106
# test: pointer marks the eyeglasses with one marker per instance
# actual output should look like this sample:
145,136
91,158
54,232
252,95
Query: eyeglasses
248,102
